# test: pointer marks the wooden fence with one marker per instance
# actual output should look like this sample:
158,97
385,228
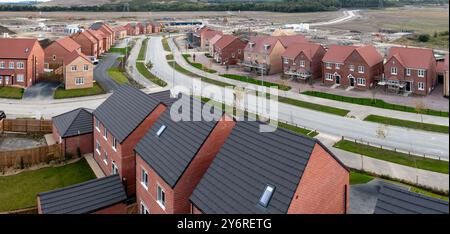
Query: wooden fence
28,157
26,125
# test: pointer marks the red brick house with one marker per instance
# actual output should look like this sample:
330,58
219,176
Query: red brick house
120,32
73,130
109,37
278,172
358,67
303,61
206,35
98,196
132,30
229,50
119,124
410,70
97,35
57,50
88,43
21,62
172,158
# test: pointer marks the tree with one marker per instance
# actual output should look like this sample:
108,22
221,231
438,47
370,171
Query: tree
423,37
420,107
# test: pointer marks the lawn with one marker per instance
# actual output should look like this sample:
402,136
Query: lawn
313,106
117,76
165,44
140,66
71,93
123,50
197,65
20,190
204,79
143,50
394,157
359,178
374,102
257,82
11,92
407,124
169,57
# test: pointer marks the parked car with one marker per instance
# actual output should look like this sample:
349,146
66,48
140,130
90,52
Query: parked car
2,115
93,59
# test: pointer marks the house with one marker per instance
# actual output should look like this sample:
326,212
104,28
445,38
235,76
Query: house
57,50
21,62
303,61
119,124
442,70
173,156
78,71
206,35
132,30
212,42
73,130
156,27
229,50
141,28
98,36
72,28
410,70
120,32
108,33
278,172
88,43
352,66
99,196
393,199
263,53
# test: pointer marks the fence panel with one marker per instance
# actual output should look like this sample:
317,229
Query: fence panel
26,125
29,157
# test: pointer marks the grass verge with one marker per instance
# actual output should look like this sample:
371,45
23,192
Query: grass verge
407,124
11,92
122,51
20,190
359,178
117,76
394,157
313,106
375,103
204,79
257,82
143,50
165,44
61,93
197,65
140,66
169,57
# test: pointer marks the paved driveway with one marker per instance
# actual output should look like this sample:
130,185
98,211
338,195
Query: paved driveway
101,72
40,91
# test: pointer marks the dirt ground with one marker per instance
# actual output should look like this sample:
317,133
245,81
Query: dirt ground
20,141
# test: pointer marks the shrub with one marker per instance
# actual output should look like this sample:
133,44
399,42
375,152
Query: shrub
423,37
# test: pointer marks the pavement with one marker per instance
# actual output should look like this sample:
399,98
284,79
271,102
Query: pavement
94,166
40,91
101,72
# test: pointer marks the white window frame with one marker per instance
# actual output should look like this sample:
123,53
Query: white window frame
73,67
286,60
2,65
85,67
20,65
97,125
302,63
361,69
328,65
11,65
144,181
329,76
421,73
22,78
105,133
419,84
114,143
337,66
105,157
143,209
408,71
98,147
361,81
159,192
351,67
114,168
79,81
394,71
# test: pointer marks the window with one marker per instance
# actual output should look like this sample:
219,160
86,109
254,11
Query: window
421,73
105,133
360,69
114,168
351,67
105,157
328,65
11,65
338,66
97,125
20,65
161,197
266,196
98,147
161,130
421,86
393,70
328,76
239,51
302,63
144,209
20,78
73,67
285,60
86,67
144,178
408,71
79,81
361,81
2,65
233,55
114,143
54,57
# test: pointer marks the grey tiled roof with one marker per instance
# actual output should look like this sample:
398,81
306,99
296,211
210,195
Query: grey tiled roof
124,110
164,97
248,162
395,200
75,122
84,198
170,153
96,25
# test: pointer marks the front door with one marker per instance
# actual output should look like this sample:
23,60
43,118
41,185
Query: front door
408,86
352,81
6,80
338,79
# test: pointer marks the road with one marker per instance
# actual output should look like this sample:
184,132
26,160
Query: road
101,72
40,91
420,142
348,15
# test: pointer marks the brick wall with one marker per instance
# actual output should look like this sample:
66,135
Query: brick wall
322,187
70,76
119,208
84,142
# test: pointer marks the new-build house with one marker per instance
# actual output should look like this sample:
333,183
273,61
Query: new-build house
263,53
443,72
21,62
99,196
78,71
98,35
206,35
57,50
88,43
73,130
276,172
228,50
173,156
212,42
410,70
303,61
109,37
352,66
119,124
120,32
132,30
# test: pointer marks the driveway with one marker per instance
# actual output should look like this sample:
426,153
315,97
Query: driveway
40,91
101,72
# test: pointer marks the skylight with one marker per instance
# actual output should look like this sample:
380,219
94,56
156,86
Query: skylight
266,196
161,130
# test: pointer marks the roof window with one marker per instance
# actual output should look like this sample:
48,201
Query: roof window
266,196
161,130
